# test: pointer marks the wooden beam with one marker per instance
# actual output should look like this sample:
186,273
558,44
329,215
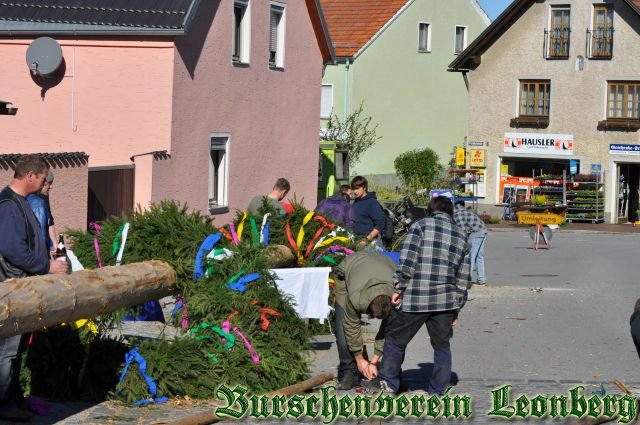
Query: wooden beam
34,302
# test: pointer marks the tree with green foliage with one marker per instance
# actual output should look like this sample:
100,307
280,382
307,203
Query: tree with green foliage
354,134
418,168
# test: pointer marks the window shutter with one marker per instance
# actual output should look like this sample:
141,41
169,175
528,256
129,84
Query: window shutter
273,32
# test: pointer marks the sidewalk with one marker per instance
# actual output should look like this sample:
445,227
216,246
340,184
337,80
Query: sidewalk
578,227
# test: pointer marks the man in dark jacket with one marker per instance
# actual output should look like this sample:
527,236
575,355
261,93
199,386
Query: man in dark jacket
338,207
363,285
368,215
23,248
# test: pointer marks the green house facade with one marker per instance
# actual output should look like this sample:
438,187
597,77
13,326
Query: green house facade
399,75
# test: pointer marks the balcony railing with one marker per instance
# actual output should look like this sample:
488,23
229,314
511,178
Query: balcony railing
600,43
557,43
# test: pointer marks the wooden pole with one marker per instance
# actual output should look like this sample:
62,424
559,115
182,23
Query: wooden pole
34,302
210,416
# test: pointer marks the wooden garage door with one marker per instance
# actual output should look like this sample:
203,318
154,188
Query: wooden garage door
110,193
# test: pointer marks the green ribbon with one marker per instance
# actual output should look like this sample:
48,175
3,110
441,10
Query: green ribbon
216,252
234,278
231,340
255,236
116,241
329,260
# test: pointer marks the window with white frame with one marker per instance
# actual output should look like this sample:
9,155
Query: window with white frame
424,37
326,102
276,36
461,39
241,41
219,174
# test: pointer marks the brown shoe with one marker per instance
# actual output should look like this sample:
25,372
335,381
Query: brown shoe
15,414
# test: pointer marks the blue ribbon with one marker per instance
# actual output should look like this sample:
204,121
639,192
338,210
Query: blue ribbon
142,366
240,284
176,308
266,234
205,248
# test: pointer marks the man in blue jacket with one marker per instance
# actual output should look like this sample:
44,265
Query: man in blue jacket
368,215
23,250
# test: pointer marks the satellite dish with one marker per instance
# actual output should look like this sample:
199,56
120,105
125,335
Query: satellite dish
44,56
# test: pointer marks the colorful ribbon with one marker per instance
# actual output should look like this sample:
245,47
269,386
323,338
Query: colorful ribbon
96,245
205,247
142,366
336,248
240,284
287,231
241,226
225,233
254,355
227,337
234,235
333,239
255,236
264,312
185,315
264,230
325,225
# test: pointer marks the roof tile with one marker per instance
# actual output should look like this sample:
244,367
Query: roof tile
168,14
352,23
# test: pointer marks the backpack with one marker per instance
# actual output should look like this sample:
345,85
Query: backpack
388,231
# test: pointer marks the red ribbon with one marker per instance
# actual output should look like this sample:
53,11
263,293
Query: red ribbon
325,225
225,233
292,242
263,315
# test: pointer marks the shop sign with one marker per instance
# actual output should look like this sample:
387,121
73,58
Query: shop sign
477,157
460,156
541,144
624,149
475,144
596,168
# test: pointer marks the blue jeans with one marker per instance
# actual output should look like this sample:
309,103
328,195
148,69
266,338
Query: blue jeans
10,358
477,255
400,330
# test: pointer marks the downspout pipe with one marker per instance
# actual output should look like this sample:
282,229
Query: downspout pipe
345,100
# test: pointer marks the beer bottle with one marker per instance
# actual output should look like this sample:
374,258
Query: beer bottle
61,250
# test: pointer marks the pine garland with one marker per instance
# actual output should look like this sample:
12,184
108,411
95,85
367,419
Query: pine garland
191,366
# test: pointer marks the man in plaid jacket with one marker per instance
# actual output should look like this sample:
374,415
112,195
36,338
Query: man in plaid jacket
431,287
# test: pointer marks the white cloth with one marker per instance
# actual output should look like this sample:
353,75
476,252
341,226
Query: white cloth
309,288
75,263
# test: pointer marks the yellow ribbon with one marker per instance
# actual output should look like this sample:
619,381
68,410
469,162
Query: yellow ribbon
307,218
241,226
331,240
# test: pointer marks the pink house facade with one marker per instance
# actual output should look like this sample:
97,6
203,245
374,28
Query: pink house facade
208,103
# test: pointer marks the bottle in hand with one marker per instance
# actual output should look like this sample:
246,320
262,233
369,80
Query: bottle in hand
61,250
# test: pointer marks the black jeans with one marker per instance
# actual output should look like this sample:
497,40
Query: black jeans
401,328
347,362
11,350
